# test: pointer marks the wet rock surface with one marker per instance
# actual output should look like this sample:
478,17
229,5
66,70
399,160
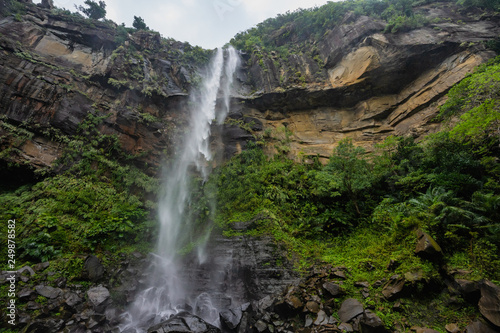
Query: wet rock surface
184,322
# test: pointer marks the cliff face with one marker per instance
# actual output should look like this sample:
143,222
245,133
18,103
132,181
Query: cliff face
56,70
364,84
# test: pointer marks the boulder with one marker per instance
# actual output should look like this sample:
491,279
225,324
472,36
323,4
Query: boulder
470,290
72,299
98,297
345,327
489,304
479,327
41,266
231,318
427,247
371,323
26,269
47,291
309,321
184,322
93,269
350,309
288,305
321,319
26,294
260,325
393,288
333,289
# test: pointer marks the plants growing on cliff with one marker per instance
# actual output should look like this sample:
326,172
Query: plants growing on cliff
94,10
139,23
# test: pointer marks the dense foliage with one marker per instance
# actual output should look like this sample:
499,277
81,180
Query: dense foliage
100,203
93,10
139,23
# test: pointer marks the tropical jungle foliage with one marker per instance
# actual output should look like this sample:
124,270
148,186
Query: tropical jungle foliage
447,185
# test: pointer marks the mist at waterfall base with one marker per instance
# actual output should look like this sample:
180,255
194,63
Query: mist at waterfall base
168,290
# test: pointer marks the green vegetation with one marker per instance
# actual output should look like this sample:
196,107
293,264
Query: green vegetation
93,10
139,23
362,210
99,204
12,7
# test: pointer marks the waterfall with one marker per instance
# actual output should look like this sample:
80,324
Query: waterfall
167,294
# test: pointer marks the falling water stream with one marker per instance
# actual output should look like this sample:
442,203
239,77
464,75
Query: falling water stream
167,292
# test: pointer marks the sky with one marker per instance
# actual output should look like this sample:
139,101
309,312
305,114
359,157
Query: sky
207,23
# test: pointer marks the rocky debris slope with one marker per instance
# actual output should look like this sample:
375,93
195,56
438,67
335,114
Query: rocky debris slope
238,270
320,303
361,83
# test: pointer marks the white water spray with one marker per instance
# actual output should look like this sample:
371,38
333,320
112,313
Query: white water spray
166,294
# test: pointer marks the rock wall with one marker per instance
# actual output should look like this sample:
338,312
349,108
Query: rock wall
372,84
56,69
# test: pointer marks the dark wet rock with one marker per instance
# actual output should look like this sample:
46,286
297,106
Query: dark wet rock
98,297
93,269
231,318
72,299
41,266
371,323
288,305
31,305
261,326
265,303
350,309
362,284
333,289
47,291
489,303
393,288
244,324
345,327
427,247
26,294
321,319
184,322
23,319
470,290
339,274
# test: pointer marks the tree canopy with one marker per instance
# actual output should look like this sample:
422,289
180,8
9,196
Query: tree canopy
139,23
93,10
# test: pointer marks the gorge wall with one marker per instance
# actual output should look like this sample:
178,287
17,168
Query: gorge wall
364,84
359,83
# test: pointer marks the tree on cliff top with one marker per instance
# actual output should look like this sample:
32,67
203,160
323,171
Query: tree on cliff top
94,10
139,23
